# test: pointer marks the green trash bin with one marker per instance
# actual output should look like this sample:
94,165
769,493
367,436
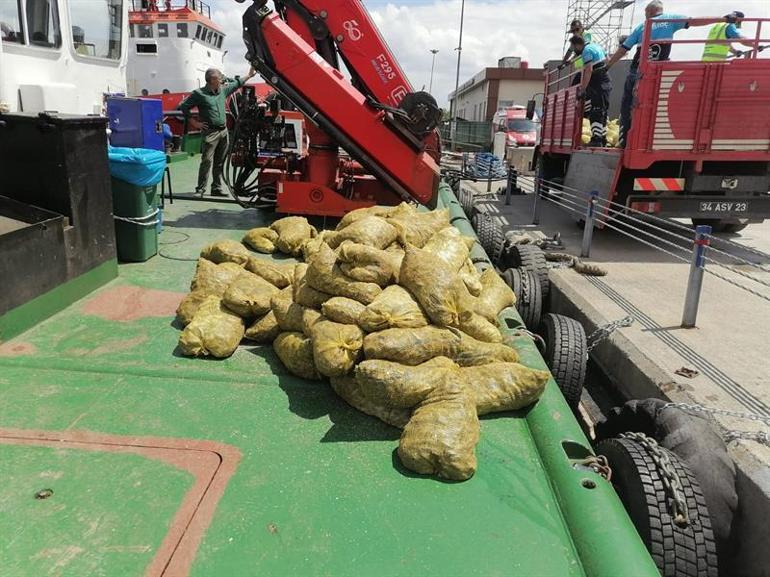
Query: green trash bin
136,218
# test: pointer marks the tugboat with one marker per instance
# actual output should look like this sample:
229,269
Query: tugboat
65,56
171,44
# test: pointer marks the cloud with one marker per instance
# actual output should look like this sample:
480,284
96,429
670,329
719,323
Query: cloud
531,29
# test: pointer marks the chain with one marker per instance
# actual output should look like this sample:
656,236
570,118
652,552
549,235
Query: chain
761,437
668,476
604,332
598,464
692,408
523,332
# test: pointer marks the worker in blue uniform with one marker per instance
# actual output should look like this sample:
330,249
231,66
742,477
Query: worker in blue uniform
658,52
595,87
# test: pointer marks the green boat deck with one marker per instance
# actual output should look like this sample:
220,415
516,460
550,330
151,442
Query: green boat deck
120,457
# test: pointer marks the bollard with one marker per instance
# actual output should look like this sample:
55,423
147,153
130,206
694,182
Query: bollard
588,231
695,283
511,185
538,201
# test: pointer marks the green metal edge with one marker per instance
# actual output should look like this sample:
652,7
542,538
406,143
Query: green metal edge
604,536
24,317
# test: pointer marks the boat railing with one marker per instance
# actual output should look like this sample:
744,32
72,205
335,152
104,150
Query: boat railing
198,6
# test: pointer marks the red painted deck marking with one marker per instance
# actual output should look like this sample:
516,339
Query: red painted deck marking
211,463
130,303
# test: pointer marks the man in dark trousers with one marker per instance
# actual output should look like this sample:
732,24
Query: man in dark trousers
595,87
211,100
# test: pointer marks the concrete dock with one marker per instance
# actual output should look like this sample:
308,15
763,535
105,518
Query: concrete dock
727,353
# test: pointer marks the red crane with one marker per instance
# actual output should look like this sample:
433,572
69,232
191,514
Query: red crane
388,130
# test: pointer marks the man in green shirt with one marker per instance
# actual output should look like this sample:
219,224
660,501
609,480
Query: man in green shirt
210,101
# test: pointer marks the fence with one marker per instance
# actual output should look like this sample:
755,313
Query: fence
700,249
470,136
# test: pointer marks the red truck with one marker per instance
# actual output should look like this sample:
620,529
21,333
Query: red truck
519,130
699,146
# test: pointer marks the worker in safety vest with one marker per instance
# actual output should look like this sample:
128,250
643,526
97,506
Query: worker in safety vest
728,30
595,88
576,29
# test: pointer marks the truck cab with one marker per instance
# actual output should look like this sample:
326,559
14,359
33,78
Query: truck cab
519,130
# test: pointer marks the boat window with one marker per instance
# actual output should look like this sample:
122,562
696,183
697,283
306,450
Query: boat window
198,31
146,48
162,30
43,23
131,31
10,22
208,38
181,30
144,30
219,42
97,27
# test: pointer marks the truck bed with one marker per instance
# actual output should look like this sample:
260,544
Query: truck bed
164,465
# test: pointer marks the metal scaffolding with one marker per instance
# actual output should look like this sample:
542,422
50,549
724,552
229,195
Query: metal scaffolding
606,19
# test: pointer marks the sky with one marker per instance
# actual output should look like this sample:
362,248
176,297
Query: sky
531,29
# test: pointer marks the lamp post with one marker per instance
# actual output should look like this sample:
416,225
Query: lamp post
453,125
432,68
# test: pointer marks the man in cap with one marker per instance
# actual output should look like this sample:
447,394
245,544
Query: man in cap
727,30
576,29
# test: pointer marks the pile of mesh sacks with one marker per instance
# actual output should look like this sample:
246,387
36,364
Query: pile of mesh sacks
388,307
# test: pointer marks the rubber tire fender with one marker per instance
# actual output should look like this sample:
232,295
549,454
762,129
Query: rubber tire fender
529,296
530,257
566,354
688,551
695,441
490,235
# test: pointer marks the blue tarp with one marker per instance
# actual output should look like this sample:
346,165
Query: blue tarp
137,166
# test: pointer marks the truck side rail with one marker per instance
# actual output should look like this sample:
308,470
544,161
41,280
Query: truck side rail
685,110
690,110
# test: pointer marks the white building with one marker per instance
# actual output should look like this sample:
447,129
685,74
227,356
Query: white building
493,89
171,46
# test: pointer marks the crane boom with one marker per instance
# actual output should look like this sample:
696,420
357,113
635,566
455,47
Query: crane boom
374,116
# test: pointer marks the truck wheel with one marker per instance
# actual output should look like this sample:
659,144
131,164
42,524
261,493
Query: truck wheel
490,235
721,225
532,258
529,295
566,354
733,227
678,550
